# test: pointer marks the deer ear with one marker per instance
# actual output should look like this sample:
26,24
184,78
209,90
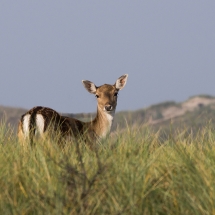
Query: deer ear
121,81
90,86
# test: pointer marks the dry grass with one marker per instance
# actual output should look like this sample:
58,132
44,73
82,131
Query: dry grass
132,173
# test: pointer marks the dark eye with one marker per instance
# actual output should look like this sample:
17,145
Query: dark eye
97,96
115,94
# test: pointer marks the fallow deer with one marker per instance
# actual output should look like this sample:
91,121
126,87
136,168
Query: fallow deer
43,120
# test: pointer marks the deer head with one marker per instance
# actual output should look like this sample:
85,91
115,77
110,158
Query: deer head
106,94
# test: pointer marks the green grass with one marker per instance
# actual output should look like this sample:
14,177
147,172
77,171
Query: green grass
133,172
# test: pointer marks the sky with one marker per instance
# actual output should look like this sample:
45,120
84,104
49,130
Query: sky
48,47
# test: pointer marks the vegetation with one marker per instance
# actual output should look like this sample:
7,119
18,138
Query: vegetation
132,172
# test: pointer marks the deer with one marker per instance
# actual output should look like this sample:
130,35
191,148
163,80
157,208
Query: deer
44,121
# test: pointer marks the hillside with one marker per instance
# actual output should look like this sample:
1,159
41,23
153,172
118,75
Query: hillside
194,113
11,115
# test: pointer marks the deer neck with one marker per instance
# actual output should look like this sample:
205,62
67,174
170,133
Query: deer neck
102,123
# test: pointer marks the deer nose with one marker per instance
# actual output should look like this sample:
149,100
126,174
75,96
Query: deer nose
108,107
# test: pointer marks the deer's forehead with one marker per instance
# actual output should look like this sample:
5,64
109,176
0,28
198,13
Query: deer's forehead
106,89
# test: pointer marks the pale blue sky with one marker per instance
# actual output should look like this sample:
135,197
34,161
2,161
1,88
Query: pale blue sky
47,48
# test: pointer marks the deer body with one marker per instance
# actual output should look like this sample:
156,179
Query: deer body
46,121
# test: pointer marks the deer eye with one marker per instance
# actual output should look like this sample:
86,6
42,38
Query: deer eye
97,96
116,94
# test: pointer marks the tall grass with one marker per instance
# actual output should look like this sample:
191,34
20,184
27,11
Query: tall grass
133,172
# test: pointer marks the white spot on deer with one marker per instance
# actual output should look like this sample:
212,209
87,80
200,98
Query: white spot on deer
40,123
26,125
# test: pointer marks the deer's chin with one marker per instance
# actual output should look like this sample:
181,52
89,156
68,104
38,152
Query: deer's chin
111,112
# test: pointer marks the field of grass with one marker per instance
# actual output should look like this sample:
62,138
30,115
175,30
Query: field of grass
133,172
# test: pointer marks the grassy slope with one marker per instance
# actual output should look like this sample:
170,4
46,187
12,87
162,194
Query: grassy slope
133,173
